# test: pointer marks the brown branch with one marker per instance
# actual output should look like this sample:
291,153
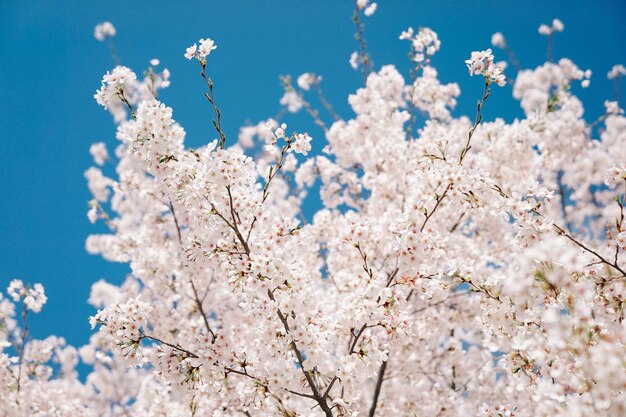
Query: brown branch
300,393
562,200
202,313
366,267
581,245
330,386
315,115
458,222
177,347
211,99
193,287
436,303
616,89
180,239
477,121
366,63
325,103
356,338
379,384
122,97
233,226
561,231
274,170
480,288
229,370
511,55
468,146
438,201
321,400
21,351
549,47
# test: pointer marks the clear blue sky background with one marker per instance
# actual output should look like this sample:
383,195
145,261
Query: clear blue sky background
50,66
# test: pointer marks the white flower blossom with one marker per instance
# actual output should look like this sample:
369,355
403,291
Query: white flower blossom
424,44
33,297
481,63
307,79
99,153
354,60
190,53
453,263
104,30
497,40
292,101
616,72
206,46
302,144
557,26
370,10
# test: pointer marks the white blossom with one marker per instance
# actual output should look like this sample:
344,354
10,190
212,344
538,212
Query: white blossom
616,72
371,9
33,297
191,51
453,263
292,101
99,153
557,26
354,60
497,40
306,80
481,63
302,144
104,30
206,46
424,44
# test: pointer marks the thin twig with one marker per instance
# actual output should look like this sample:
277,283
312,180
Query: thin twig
325,103
379,384
177,347
581,245
180,239
562,199
202,313
21,351
366,63
211,99
468,146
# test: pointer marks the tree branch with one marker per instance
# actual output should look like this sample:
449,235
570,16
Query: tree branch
379,384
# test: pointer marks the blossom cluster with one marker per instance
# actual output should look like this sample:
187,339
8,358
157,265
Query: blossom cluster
481,63
424,44
206,46
497,40
37,376
557,26
124,324
33,297
104,30
616,72
306,80
368,8
113,84
456,266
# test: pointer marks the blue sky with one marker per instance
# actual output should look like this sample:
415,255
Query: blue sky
51,66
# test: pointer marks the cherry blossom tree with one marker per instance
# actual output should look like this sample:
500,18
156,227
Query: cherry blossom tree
457,267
